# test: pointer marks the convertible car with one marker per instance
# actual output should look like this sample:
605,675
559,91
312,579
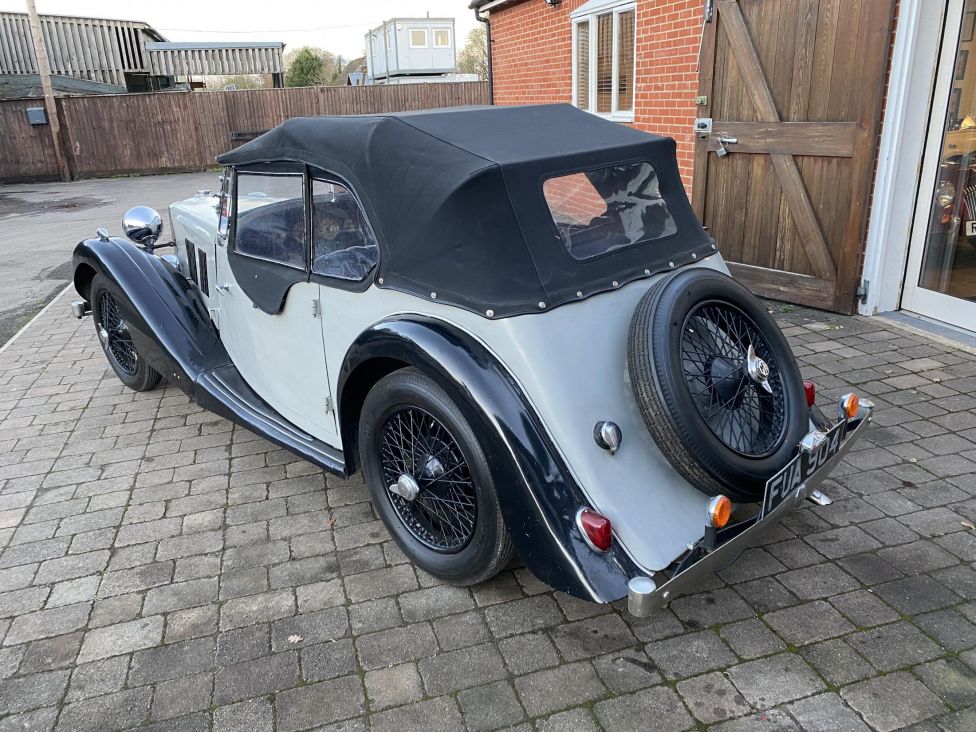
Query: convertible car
508,319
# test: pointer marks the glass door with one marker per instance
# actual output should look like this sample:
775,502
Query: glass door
940,279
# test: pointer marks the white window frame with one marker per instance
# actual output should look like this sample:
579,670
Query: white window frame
588,14
426,43
442,30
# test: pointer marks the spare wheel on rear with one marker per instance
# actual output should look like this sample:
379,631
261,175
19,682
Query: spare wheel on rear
716,382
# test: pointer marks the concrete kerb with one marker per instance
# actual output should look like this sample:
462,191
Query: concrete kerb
37,317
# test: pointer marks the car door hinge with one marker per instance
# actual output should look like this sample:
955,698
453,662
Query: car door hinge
329,406
316,308
862,291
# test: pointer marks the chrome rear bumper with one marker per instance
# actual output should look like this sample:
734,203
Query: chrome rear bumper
645,595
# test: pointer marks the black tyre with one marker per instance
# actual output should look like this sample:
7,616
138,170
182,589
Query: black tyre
444,513
113,334
725,422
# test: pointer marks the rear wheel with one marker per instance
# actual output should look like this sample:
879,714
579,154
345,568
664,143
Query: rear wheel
429,480
113,334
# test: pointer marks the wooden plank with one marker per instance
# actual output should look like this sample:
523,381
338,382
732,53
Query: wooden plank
794,190
787,286
876,19
822,139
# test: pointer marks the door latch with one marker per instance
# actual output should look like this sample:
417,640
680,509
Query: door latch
722,142
223,287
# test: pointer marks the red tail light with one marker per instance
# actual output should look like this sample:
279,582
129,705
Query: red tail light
595,528
811,392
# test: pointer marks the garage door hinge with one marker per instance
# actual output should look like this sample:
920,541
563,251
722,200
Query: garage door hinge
862,291
316,308
329,407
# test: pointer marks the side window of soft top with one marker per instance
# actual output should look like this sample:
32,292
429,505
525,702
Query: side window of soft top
343,245
271,217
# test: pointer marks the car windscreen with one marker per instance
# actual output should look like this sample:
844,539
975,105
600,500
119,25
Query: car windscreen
602,210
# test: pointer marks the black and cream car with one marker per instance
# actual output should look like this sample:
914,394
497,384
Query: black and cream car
509,319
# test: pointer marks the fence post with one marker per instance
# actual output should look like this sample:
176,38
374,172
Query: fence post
44,69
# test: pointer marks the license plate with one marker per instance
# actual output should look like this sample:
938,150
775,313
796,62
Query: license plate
971,228
783,485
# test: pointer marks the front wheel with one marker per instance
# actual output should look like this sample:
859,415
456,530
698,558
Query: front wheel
429,480
113,334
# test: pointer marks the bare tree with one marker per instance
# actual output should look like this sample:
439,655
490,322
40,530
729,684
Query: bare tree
473,58
241,81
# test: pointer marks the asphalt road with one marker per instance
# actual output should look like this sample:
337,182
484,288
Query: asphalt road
40,223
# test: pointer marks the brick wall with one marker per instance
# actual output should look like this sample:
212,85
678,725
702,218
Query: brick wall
532,62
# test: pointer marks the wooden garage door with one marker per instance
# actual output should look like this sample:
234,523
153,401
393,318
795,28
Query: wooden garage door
798,84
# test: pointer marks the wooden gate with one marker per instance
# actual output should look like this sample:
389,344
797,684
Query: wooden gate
795,88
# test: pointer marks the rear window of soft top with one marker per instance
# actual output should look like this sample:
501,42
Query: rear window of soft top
602,210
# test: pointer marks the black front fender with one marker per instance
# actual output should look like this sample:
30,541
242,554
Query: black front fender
167,318
538,496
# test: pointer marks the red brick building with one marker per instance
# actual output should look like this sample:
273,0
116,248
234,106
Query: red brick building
849,126
532,62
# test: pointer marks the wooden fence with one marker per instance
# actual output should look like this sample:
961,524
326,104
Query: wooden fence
177,131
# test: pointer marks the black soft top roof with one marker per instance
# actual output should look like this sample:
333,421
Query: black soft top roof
455,198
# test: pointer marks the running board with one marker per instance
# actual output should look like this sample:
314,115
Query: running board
222,390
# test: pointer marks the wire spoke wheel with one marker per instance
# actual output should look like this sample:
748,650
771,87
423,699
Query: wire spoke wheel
114,334
743,407
416,448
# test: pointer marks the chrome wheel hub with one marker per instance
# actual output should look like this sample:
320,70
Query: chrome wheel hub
405,487
428,481
757,369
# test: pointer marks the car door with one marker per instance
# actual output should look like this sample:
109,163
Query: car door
269,312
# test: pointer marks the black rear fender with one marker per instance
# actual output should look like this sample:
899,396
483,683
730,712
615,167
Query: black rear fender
538,496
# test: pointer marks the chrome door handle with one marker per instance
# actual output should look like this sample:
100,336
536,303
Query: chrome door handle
728,140
222,288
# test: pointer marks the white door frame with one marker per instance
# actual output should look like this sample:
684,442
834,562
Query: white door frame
918,39
952,310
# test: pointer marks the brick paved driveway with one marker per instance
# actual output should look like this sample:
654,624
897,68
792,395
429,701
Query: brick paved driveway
159,566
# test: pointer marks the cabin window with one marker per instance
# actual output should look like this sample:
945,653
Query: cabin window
418,38
442,38
604,49
343,245
271,218
602,210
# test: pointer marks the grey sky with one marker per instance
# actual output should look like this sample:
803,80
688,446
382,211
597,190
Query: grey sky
336,25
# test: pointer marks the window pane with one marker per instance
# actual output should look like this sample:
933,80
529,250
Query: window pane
271,218
343,245
442,38
583,65
604,63
418,39
599,211
625,62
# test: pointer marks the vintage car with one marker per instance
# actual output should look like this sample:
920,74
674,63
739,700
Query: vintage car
508,319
